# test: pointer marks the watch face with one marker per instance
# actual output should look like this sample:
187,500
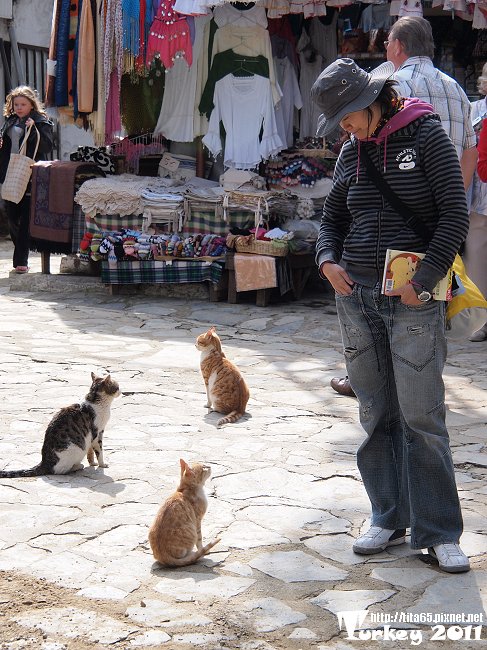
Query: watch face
424,296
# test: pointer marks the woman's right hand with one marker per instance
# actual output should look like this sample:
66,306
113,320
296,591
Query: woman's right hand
338,278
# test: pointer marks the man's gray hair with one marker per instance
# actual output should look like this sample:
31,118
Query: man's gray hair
415,34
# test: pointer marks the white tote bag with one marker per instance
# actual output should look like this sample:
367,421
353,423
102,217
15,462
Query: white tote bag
19,171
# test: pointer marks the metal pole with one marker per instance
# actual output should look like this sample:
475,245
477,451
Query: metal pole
19,68
6,69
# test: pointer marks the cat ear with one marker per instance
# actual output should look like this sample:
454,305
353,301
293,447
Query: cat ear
185,468
212,330
93,376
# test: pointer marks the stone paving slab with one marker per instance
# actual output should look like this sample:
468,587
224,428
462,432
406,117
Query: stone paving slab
285,494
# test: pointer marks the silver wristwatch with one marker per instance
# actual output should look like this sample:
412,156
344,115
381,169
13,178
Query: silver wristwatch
423,294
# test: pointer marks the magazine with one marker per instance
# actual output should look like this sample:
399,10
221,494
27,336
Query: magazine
400,267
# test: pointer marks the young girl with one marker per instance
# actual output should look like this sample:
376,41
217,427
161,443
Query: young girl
22,109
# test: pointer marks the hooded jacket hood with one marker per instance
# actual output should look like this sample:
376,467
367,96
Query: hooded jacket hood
413,108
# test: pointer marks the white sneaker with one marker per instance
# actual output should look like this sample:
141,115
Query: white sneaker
377,539
479,335
450,558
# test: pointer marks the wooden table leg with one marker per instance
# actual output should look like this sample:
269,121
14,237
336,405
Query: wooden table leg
263,297
45,262
300,277
219,291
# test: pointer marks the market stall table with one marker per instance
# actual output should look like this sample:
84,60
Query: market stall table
300,266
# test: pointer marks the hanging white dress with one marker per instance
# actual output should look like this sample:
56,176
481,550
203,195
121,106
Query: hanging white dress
243,105
309,72
291,99
179,103
191,7
230,15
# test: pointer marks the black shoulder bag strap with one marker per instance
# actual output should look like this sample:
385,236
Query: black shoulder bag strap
413,221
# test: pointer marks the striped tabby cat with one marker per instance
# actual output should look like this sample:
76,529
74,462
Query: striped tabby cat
75,432
177,527
226,389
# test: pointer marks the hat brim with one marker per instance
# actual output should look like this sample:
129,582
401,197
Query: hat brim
378,77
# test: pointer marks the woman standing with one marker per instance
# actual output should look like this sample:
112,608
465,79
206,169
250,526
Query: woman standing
22,110
395,347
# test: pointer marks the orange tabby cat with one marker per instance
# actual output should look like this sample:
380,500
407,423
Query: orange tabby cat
176,530
226,389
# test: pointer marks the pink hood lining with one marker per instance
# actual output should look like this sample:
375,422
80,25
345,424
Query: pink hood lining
413,108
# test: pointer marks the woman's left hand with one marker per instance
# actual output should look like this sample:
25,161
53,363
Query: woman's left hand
407,294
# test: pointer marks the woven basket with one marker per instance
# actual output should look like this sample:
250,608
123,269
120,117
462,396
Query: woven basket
260,247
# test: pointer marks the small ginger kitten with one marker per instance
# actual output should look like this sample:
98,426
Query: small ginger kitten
226,389
176,530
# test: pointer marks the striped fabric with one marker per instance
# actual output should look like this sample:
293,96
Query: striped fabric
79,227
203,220
150,272
418,77
358,222
102,223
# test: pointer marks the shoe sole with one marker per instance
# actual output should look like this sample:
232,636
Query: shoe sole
456,569
360,550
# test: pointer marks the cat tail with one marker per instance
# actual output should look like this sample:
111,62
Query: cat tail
231,417
38,470
192,557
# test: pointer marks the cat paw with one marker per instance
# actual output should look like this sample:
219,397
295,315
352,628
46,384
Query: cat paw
77,467
102,465
207,406
93,463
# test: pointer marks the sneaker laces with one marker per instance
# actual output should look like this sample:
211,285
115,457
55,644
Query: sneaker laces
453,550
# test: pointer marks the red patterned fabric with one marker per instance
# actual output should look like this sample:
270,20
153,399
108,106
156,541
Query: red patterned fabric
169,36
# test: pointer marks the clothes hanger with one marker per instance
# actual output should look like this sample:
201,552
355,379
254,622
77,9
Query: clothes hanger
243,43
242,68
243,6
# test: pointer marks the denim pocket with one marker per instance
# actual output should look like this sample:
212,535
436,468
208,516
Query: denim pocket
424,306
414,334
339,296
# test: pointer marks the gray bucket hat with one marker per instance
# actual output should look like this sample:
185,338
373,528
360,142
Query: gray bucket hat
343,87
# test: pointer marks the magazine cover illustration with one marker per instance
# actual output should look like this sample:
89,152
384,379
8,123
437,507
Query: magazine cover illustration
400,268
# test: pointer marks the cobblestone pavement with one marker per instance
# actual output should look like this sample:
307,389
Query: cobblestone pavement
285,494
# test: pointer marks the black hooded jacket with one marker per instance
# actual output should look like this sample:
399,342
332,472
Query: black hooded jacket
45,128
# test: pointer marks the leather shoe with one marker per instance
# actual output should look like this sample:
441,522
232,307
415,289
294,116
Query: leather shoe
342,386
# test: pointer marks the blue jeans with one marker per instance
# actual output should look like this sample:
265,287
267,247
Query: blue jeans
395,356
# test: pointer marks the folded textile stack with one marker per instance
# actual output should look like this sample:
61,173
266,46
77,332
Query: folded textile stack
298,170
162,210
117,194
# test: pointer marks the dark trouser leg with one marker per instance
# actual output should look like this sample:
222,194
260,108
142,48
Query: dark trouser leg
18,221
